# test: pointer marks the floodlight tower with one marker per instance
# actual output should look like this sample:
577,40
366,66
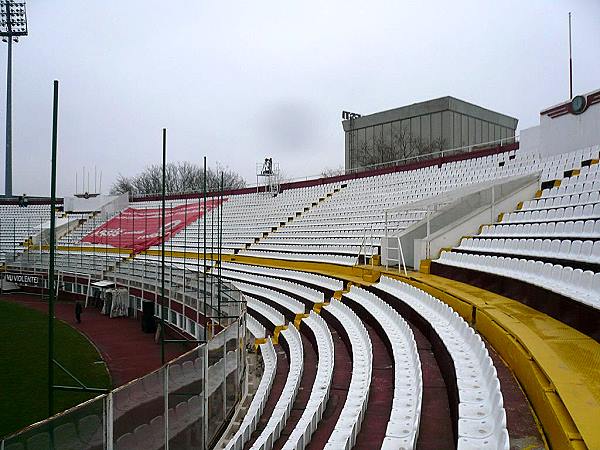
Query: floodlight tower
13,23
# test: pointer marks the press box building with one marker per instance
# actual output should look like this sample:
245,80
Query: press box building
417,130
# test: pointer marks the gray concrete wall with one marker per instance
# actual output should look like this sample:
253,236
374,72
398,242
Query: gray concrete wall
462,217
421,129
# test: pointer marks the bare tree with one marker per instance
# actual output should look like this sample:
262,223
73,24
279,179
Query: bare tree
123,184
329,172
403,146
179,177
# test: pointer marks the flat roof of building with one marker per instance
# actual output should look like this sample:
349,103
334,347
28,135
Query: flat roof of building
447,103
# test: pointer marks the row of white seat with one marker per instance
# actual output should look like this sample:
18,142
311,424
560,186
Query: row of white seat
256,328
591,175
344,249
482,419
582,286
573,250
561,202
315,406
278,239
402,428
275,283
332,284
345,224
283,407
350,420
296,306
569,189
577,229
328,213
257,405
266,311
589,211
324,258
317,402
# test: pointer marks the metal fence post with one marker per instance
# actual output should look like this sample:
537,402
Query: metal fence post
166,394
108,417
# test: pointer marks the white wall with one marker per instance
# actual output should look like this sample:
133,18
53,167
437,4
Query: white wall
529,140
103,203
570,132
563,134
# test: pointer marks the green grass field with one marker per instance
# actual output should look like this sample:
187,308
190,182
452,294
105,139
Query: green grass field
24,367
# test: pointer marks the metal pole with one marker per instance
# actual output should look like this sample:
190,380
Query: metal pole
204,272
570,61
8,175
219,240
212,245
198,268
51,292
387,247
184,258
162,250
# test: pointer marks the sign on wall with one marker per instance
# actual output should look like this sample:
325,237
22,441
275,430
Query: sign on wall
138,229
23,279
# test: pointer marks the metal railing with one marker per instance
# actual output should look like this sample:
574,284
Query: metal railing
399,259
362,251
187,403
396,162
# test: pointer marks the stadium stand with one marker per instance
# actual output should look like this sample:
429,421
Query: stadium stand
350,420
403,426
549,243
282,409
17,225
481,416
332,315
257,406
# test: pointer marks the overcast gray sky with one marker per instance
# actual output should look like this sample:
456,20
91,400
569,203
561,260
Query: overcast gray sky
239,81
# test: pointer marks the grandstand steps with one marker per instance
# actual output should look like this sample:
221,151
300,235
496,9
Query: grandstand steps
583,265
556,366
581,317
308,378
379,406
435,429
435,426
276,390
342,368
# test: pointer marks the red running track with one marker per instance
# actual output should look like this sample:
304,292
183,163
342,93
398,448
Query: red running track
127,352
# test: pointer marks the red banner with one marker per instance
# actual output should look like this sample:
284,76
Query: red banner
138,229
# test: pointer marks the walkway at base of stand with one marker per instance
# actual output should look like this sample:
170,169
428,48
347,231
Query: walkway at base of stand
127,351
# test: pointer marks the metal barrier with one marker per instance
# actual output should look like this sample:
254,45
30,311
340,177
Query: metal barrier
187,403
